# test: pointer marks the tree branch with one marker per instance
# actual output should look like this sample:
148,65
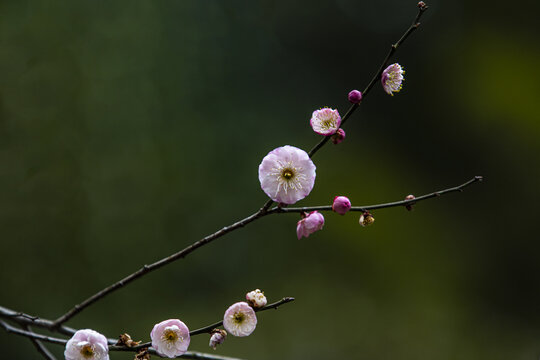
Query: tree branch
39,346
376,77
459,188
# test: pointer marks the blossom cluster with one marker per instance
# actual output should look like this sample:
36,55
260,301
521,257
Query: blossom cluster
171,338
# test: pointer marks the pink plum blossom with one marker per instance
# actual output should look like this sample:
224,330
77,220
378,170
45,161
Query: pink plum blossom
170,338
287,174
256,299
240,319
87,345
314,221
391,78
341,205
325,121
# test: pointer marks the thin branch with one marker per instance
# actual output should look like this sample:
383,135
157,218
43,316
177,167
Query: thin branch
378,206
376,77
32,335
207,329
39,346
160,263
35,336
25,319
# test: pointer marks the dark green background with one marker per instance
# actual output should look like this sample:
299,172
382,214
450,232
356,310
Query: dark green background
130,129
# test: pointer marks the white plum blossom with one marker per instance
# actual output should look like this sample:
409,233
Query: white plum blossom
391,78
240,319
325,121
287,174
87,345
256,299
170,338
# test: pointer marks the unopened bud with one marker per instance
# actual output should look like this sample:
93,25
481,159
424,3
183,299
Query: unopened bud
409,206
338,137
256,299
341,205
422,5
355,97
366,219
217,338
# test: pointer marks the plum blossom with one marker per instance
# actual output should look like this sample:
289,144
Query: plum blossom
287,174
240,319
312,222
391,78
325,121
341,205
217,338
256,299
366,219
87,345
170,338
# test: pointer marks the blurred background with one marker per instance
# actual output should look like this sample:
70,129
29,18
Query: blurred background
130,129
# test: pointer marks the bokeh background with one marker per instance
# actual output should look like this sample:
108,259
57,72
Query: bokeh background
130,129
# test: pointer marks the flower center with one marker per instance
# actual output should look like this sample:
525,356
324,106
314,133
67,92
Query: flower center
287,174
239,317
170,335
87,351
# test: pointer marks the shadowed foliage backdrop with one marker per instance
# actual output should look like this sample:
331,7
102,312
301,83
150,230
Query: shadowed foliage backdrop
130,129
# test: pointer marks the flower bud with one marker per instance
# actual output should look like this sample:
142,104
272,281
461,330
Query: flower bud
338,137
341,205
217,338
355,97
409,206
366,219
256,299
311,223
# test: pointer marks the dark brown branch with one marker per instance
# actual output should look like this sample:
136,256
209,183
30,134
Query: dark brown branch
378,206
25,319
208,329
160,263
35,336
376,77
39,346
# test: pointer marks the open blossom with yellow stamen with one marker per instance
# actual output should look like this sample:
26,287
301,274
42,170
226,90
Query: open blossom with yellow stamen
325,121
287,174
240,319
170,338
391,78
87,345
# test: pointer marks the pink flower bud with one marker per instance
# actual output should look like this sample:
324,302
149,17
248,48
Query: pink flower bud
217,338
170,338
256,299
355,97
87,344
341,205
240,319
338,137
314,221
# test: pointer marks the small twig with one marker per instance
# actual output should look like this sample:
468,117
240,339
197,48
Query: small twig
376,77
25,319
32,335
35,336
39,346
207,329
378,206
